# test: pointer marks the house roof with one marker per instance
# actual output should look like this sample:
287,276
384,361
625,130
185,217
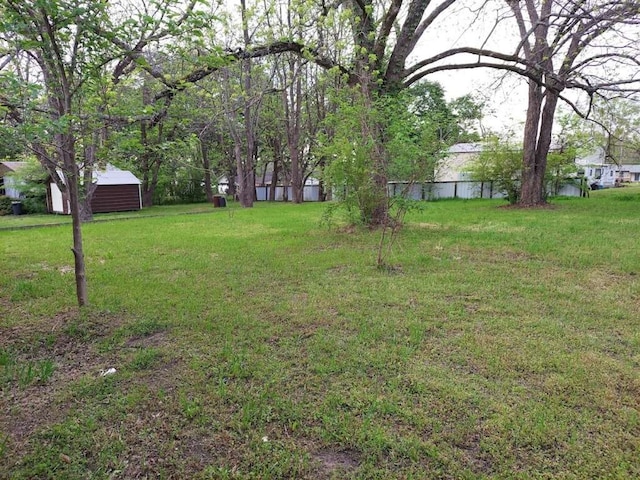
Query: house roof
12,166
465,148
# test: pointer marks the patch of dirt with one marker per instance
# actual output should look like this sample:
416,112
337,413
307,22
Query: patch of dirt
69,343
153,340
517,206
429,226
348,229
331,461
473,456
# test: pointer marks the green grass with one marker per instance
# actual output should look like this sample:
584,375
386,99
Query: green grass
257,343
9,222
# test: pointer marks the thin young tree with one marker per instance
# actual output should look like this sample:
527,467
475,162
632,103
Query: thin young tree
66,47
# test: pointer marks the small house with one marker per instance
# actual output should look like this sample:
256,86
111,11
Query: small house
8,186
116,191
603,169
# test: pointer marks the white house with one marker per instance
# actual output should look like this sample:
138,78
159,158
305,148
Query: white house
606,173
8,185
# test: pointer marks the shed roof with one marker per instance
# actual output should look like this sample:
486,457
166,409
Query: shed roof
114,176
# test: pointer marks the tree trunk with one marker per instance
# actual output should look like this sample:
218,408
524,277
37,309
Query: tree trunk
379,216
88,187
72,177
207,173
232,173
150,160
86,210
274,180
292,99
537,141
528,191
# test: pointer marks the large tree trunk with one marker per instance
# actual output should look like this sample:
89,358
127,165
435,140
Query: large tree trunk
150,161
528,193
379,215
537,141
292,99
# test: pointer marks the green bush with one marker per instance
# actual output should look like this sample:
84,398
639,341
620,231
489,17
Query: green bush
5,205
35,202
499,162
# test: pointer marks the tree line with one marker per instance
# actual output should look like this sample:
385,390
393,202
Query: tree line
178,91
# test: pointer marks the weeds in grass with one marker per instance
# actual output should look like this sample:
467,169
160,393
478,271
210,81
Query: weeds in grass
505,347
191,407
24,373
4,439
145,358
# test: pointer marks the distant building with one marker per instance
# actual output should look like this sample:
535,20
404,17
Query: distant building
116,191
621,165
8,185
458,157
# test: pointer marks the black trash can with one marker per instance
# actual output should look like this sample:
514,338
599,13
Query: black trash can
223,201
16,208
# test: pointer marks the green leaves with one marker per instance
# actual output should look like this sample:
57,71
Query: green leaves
380,137
499,162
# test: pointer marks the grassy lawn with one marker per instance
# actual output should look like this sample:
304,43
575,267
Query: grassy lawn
260,344
8,222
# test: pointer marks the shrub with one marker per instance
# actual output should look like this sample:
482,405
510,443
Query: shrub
35,202
499,162
5,205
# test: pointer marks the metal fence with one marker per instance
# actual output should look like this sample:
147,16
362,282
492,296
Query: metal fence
464,189
311,193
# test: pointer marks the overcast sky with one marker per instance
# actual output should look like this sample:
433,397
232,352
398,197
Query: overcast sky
505,94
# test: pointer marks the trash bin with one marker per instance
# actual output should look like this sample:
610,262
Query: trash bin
223,202
16,208
216,201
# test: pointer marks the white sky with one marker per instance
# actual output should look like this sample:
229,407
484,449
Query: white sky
505,94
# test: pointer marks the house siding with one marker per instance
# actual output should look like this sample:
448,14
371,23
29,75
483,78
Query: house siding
115,198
